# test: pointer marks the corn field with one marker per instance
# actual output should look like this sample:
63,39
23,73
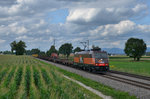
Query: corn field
23,77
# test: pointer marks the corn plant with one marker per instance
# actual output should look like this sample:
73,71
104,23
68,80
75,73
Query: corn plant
15,85
56,77
27,80
36,77
18,77
45,76
2,74
9,77
44,93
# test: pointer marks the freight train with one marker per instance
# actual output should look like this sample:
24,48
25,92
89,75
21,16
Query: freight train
93,61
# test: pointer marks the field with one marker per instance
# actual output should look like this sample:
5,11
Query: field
126,64
24,77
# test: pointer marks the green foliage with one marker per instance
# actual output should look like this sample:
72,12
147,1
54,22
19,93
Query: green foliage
2,74
66,49
36,76
37,81
46,77
51,50
77,49
28,52
42,53
18,77
135,48
13,46
96,48
10,75
14,87
7,52
27,80
35,51
18,47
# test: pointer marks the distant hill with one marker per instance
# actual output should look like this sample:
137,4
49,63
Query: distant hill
119,50
114,50
148,49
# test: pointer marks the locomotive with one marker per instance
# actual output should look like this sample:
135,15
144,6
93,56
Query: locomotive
93,61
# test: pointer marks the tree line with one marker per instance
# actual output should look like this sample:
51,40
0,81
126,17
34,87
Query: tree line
134,48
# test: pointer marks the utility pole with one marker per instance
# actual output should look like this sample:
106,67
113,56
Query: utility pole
54,42
84,44
88,44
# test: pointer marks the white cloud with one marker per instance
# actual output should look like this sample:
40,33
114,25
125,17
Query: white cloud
21,37
2,41
102,12
103,22
139,8
103,16
82,14
17,29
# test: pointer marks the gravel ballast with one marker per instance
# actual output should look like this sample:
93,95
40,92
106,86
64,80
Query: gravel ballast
132,90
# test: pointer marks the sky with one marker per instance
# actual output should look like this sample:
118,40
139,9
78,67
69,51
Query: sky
105,23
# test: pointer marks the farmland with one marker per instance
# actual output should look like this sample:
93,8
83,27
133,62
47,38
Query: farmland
126,64
25,77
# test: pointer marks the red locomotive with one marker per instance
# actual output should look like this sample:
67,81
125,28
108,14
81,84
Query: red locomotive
92,60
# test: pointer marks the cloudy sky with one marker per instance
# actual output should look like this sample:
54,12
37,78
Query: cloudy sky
105,23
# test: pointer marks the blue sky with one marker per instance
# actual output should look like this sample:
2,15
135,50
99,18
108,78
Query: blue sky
105,23
58,16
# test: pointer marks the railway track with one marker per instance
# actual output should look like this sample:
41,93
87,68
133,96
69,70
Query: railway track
130,75
128,81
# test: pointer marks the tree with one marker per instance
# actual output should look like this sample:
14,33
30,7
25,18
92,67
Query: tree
66,49
13,46
7,52
77,49
35,51
42,53
28,52
18,47
51,50
96,48
135,48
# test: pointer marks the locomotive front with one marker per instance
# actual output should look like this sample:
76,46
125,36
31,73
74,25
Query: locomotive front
96,61
101,60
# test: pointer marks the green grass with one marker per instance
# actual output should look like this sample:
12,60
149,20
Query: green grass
126,64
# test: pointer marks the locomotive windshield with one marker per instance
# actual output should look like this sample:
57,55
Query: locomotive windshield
100,55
